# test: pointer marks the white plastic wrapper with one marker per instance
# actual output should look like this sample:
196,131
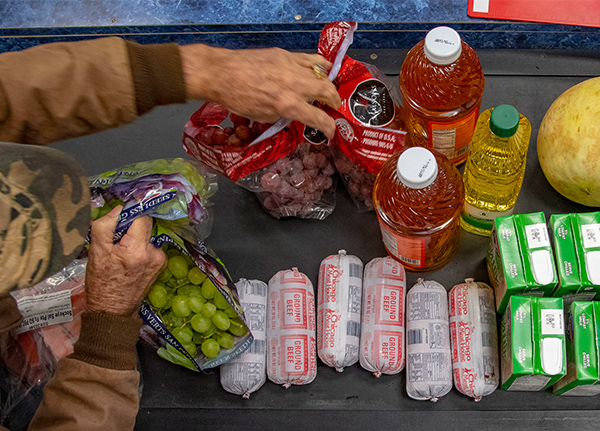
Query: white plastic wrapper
291,334
338,310
474,338
247,373
382,328
429,361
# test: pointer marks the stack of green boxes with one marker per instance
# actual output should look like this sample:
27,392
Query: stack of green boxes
576,239
532,343
520,259
532,271
583,369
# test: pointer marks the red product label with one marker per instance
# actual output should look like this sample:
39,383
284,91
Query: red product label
464,331
295,353
332,318
390,348
466,381
390,310
390,269
294,306
459,304
367,147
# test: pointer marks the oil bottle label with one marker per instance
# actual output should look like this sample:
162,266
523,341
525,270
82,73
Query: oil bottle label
481,218
453,139
404,248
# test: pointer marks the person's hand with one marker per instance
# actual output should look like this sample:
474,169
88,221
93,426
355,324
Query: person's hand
118,276
261,84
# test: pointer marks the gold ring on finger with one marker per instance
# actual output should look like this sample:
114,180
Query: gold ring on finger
319,70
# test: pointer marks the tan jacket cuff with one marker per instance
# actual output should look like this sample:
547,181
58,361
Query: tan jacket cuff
108,340
157,75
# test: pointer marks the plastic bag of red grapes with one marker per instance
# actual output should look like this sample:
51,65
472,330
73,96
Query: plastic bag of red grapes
369,123
287,164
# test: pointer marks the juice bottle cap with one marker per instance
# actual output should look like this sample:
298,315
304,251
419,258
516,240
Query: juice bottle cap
442,45
504,121
417,167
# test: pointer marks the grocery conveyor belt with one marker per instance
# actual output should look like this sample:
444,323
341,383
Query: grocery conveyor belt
254,245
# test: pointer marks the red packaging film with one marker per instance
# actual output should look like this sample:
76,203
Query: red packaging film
291,332
369,123
382,328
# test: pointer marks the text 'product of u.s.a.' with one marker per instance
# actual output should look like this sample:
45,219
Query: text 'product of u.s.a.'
338,310
533,343
428,353
382,327
474,336
291,333
247,373
520,258
583,354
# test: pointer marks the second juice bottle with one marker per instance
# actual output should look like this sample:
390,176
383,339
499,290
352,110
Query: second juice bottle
442,83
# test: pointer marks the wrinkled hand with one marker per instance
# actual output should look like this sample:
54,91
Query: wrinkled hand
118,276
261,84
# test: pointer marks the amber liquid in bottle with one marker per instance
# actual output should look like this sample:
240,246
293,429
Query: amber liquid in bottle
442,102
420,227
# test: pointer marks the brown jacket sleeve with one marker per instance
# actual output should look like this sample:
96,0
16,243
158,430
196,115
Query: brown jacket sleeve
96,387
63,90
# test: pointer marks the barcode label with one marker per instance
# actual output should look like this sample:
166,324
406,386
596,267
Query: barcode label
258,347
409,260
414,336
485,339
353,329
552,322
461,151
258,289
355,270
537,235
590,234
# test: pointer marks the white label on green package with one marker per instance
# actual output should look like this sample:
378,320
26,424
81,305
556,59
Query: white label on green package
590,233
537,235
44,310
552,322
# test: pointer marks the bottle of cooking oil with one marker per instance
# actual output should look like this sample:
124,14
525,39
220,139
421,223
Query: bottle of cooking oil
418,197
495,168
442,83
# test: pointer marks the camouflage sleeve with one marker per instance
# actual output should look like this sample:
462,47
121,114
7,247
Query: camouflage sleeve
64,90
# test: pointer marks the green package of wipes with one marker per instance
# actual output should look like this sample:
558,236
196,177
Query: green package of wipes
533,343
520,260
582,378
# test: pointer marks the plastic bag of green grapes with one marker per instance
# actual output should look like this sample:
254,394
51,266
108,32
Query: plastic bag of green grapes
192,312
174,191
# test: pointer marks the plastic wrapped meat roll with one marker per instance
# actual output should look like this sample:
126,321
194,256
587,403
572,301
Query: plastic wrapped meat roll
291,334
247,373
338,310
382,328
429,361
